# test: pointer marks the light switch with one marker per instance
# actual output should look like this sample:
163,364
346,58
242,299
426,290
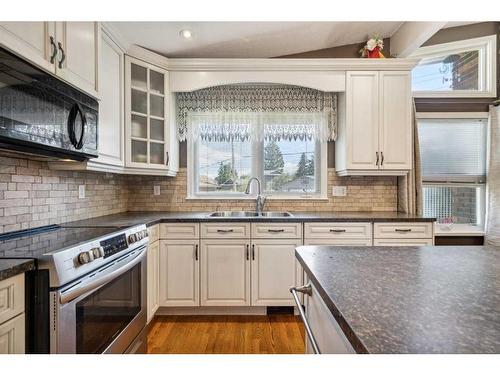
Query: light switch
156,190
81,191
339,191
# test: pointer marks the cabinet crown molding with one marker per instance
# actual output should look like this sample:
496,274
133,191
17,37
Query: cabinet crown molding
258,64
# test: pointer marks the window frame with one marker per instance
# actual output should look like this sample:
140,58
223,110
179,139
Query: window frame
462,229
487,66
257,165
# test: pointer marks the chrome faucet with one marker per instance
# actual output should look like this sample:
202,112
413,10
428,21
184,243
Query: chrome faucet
260,200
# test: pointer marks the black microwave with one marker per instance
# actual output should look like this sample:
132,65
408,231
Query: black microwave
42,115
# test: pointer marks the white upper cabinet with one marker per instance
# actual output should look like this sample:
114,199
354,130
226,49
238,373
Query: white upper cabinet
111,124
78,54
69,50
35,41
146,115
375,136
395,131
362,120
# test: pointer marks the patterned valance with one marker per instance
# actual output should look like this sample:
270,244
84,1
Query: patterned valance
232,112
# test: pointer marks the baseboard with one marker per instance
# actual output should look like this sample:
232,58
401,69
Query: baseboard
209,310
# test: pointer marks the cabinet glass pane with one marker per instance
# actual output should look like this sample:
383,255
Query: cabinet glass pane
156,153
139,126
156,130
139,76
156,103
139,151
156,82
139,101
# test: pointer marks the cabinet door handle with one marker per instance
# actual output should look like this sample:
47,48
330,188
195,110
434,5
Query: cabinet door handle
248,252
275,230
196,252
63,55
402,230
253,252
382,158
337,230
225,230
54,50
167,158
376,153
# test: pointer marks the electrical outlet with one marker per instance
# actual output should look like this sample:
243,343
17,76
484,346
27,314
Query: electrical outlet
339,191
81,191
156,189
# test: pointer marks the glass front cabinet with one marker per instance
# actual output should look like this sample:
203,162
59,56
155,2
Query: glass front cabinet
147,116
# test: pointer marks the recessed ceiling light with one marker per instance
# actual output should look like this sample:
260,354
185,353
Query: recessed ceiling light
187,34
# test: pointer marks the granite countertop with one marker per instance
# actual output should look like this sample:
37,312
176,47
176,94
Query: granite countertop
130,218
435,299
13,267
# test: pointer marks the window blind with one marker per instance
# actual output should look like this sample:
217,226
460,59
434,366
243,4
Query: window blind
453,150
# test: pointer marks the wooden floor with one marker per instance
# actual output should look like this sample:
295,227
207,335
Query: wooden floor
266,334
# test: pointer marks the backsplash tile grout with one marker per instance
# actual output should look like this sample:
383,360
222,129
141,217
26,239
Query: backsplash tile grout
32,195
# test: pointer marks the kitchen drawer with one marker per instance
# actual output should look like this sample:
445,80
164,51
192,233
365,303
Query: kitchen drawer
338,242
225,230
276,230
402,230
403,242
154,233
179,231
338,230
11,297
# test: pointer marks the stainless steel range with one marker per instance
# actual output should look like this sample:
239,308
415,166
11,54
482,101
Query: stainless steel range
88,294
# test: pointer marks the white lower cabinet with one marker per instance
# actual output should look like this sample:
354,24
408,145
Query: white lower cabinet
12,336
403,234
153,279
179,273
12,319
326,330
274,271
225,272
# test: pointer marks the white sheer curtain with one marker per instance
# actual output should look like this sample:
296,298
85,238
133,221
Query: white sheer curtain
243,126
286,111
493,185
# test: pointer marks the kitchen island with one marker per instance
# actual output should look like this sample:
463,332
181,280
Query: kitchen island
411,299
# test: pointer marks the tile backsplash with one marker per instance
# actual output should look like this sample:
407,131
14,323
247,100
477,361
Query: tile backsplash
363,194
33,195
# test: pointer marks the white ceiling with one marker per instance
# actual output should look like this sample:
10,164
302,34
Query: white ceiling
248,39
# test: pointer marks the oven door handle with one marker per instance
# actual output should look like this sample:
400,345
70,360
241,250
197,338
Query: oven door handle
75,292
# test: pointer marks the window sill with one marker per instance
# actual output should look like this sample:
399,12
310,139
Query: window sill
458,230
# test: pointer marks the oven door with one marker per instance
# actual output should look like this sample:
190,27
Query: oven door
103,312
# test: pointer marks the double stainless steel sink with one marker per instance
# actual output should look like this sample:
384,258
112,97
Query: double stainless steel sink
243,214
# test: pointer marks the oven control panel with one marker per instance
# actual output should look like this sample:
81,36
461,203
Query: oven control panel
114,245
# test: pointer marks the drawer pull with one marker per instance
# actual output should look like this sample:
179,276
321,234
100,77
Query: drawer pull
225,230
306,289
402,230
337,230
275,230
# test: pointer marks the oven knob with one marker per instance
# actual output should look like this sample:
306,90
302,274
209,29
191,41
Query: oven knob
85,257
132,238
146,234
98,252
